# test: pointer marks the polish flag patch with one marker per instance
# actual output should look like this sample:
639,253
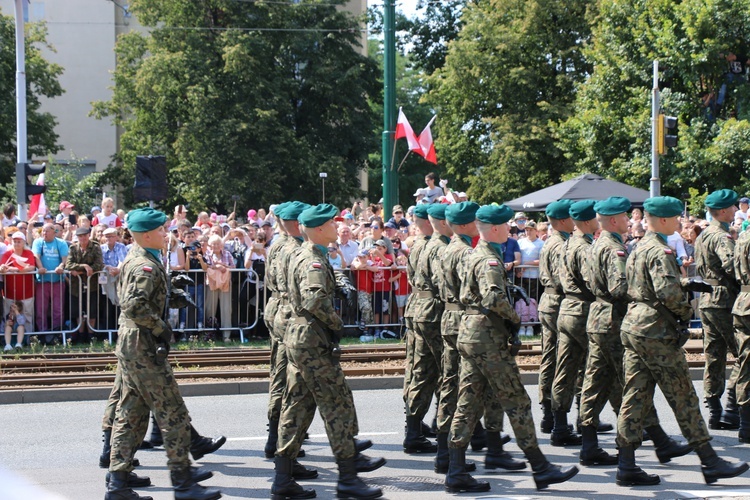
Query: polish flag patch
493,263
668,250
148,269
316,265
620,253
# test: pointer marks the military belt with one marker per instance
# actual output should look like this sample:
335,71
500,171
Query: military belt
550,290
745,288
602,300
712,282
472,310
424,294
300,320
453,306
578,296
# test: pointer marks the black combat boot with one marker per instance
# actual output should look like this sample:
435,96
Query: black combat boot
546,473
106,449
715,468
562,435
351,486
591,454
730,417
133,480
273,438
155,439
478,438
713,404
548,420
442,459
744,434
497,457
428,431
629,474
201,446
361,444
458,480
415,442
301,472
666,448
185,488
118,488
363,463
284,486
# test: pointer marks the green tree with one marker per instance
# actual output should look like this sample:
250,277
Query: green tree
41,82
508,78
245,98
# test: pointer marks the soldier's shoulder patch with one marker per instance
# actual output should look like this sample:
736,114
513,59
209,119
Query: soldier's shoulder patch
493,263
620,253
668,250
148,269
729,236
317,265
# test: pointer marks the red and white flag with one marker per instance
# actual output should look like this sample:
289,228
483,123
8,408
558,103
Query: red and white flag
38,205
403,129
426,143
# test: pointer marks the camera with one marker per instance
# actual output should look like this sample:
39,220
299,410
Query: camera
192,248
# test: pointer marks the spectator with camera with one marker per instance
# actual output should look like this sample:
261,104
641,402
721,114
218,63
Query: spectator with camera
66,208
196,266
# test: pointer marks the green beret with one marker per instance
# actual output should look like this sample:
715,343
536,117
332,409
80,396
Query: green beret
612,206
462,213
437,211
291,210
279,209
421,211
147,219
582,210
559,209
663,206
317,215
494,214
723,198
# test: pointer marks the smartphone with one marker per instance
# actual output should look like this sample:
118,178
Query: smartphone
38,224
73,219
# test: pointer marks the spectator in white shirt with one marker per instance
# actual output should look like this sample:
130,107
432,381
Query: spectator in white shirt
347,246
107,217
742,212
530,246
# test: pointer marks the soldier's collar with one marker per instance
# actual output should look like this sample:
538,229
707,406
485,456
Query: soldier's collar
564,234
467,239
589,237
154,252
616,236
662,236
499,248
444,238
724,225
321,248
299,238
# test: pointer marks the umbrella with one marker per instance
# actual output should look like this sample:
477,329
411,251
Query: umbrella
584,187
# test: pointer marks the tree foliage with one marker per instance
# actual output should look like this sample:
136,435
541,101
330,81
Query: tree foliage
236,110
41,81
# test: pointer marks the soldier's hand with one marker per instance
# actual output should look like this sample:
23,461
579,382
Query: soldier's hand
683,336
179,299
181,281
698,285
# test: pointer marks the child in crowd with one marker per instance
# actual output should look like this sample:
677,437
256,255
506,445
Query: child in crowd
15,322
401,287
363,269
334,257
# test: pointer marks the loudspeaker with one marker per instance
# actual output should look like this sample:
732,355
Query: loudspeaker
150,178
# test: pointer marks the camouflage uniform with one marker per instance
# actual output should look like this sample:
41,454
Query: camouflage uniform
146,385
741,316
550,260
652,351
76,258
572,342
426,309
714,259
486,363
314,374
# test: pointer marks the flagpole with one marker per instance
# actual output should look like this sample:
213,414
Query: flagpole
393,155
402,161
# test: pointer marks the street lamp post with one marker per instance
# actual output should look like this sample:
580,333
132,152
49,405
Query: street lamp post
323,176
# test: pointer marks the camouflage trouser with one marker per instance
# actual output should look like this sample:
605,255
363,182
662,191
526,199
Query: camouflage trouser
718,339
314,377
147,386
269,313
426,369
649,362
364,301
549,355
742,333
602,380
409,344
449,325
277,375
490,370
572,345
111,409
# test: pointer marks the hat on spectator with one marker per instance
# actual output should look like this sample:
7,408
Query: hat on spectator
83,230
519,215
266,223
461,194
612,206
66,204
531,225
381,243
317,215
421,192
273,208
745,199
437,211
410,210
723,198
494,214
251,214
559,209
390,225
197,228
48,216
421,211
109,230
663,206
583,210
143,220
462,213
213,216
171,228
397,208
18,235
349,216
363,252
96,209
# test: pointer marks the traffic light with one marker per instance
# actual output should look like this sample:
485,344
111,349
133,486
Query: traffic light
666,133
25,185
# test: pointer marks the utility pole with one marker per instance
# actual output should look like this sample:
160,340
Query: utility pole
21,147
655,187
390,178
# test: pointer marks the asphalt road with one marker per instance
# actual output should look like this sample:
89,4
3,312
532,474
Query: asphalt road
55,446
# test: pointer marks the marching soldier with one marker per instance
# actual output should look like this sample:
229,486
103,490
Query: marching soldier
314,374
147,381
487,365
603,379
741,317
714,259
550,261
653,332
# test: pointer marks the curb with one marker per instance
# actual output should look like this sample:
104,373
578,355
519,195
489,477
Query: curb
101,393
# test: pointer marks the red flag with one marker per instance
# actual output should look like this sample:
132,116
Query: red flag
403,129
38,205
426,143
